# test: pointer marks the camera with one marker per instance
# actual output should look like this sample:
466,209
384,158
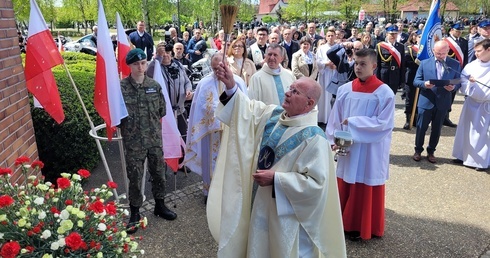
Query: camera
173,71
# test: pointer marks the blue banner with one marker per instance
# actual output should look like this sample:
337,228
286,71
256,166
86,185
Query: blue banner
432,32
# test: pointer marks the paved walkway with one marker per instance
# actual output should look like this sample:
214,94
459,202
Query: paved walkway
432,210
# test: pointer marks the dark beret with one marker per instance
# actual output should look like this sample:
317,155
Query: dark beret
135,55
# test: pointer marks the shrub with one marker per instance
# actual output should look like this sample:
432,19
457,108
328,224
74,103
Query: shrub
66,147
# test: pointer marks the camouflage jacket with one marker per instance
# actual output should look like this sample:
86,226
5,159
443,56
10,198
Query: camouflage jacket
146,106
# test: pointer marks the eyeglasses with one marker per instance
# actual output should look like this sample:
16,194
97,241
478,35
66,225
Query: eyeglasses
356,49
262,34
297,92
238,46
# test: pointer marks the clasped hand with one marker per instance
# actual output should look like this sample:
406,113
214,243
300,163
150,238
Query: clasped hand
264,177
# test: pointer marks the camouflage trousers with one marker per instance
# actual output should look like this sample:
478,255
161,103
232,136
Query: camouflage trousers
135,160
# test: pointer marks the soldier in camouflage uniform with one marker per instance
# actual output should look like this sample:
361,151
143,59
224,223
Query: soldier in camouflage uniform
142,137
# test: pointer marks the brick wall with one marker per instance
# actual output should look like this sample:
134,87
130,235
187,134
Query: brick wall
16,129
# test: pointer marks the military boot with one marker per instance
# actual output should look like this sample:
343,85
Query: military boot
161,210
134,220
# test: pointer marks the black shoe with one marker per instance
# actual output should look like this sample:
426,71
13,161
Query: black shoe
353,235
480,169
449,123
134,220
162,211
457,161
406,126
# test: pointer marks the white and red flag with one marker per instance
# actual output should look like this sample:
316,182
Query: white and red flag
123,48
108,99
173,144
42,55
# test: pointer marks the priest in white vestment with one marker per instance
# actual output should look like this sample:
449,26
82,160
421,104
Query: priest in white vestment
296,210
365,108
204,130
271,82
472,141
327,70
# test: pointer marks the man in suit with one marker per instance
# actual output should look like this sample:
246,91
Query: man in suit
434,100
289,44
458,50
313,35
391,60
402,36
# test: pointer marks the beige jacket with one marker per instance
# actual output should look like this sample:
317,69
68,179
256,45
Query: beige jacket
300,68
248,68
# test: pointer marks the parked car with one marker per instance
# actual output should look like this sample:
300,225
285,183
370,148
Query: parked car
76,46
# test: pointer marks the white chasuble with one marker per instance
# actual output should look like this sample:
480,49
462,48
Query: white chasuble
305,175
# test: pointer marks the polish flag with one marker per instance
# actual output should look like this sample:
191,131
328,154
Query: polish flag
42,55
173,144
322,32
122,49
108,99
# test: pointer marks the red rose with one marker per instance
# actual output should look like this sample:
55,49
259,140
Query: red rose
74,241
30,249
63,183
5,171
21,160
10,250
112,185
97,207
68,202
111,209
5,200
54,210
83,173
37,164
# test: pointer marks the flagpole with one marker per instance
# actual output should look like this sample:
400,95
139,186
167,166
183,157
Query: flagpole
93,131
414,108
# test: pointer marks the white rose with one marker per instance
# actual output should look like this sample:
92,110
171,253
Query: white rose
55,246
61,242
65,215
46,234
101,227
42,215
39,200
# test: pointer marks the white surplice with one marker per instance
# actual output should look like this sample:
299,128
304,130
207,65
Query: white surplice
324,77
472,140
306,211
263,87
204,130
370,121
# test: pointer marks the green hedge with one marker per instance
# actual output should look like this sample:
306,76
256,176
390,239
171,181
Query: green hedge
67,147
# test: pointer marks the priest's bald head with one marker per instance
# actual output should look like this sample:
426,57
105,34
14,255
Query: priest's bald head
302,96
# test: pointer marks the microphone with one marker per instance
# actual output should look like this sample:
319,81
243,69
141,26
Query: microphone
447,68
444,64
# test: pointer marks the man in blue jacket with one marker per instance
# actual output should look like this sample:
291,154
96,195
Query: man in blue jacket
435,98
142,40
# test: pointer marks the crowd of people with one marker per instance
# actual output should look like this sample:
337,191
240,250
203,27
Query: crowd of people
262,126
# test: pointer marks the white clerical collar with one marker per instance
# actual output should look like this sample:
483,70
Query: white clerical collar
296,116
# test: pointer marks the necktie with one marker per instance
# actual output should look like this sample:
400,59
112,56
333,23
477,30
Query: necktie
439,69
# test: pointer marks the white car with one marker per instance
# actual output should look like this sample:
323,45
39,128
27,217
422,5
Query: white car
84,42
